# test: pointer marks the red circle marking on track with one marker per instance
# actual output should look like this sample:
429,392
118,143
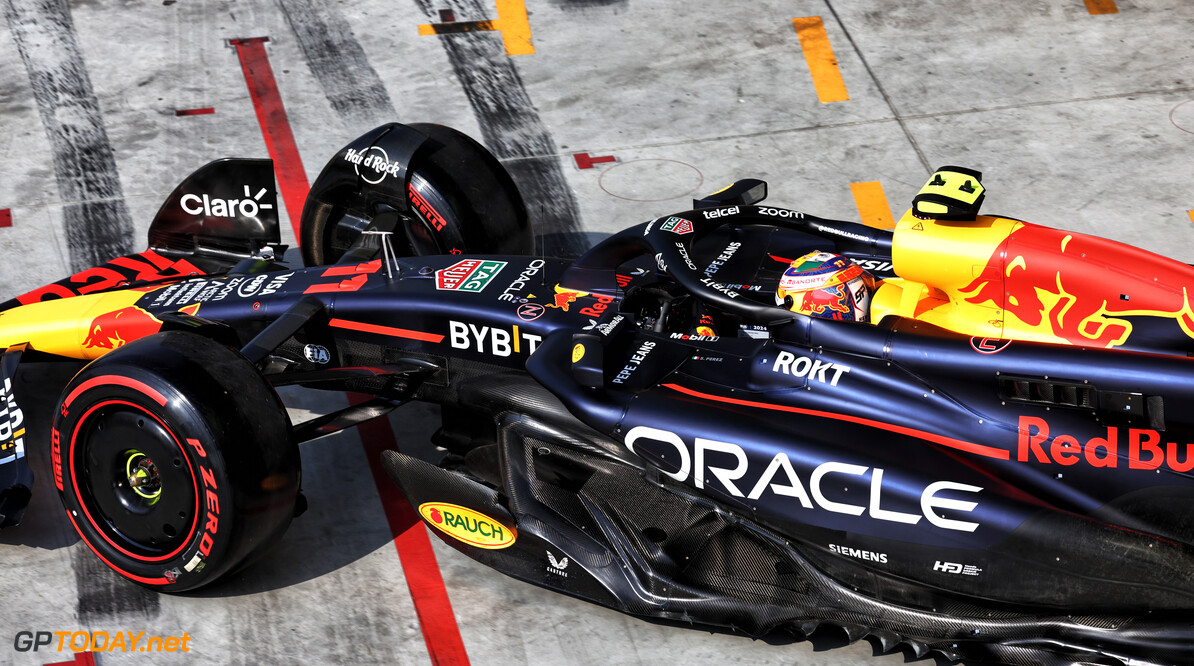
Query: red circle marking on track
1173,112
605,187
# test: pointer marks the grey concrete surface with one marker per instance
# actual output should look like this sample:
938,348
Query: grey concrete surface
1077,120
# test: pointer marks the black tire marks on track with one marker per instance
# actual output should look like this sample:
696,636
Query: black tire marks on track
511,126
104,595
338,62
510,123
95,218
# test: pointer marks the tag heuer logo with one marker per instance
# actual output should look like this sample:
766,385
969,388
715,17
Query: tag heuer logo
468,275
677,225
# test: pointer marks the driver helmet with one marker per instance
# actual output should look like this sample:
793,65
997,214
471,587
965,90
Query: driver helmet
826,285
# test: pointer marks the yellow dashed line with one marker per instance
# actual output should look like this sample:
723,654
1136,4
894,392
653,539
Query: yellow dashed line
1101,7
872,204
512,22
827,78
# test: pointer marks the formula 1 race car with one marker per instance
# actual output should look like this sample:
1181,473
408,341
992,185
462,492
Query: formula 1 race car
992,463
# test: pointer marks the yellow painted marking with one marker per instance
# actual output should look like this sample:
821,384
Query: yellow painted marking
1101,7
872,205
512,22
822,65
458,26
1191,214
515,27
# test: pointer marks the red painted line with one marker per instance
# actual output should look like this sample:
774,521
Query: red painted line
386,330
5,217
969,447
81,659
271,115
194,112
586,161
423,577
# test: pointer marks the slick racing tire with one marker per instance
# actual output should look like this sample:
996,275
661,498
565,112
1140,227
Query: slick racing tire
459,200
174,460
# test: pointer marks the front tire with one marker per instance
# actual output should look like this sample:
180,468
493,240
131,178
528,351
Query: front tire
174,460
457,198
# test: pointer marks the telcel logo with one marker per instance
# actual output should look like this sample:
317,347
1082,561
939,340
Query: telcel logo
780,479
464,524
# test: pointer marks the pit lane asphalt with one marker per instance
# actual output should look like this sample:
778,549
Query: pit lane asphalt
1077,119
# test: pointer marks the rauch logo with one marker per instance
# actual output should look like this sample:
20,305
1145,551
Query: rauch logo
464,524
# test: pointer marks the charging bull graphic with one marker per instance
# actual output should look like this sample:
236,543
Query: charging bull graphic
1081,289
562,299
113,329
823,302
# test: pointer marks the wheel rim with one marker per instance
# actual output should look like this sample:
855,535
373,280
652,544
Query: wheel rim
139,490
142,474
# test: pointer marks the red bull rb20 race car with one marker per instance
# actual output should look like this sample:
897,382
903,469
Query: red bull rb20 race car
974,439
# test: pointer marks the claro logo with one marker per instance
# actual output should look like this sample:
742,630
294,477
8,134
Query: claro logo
780,479
202,204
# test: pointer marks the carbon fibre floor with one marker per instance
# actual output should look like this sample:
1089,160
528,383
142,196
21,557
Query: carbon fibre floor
608,112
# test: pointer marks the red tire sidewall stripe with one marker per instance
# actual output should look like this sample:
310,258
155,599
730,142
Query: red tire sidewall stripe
195,519
117,380
126,574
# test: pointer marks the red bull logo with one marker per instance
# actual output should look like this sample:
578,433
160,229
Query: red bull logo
824,302
114,329
563,299
1145,448
1080,289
